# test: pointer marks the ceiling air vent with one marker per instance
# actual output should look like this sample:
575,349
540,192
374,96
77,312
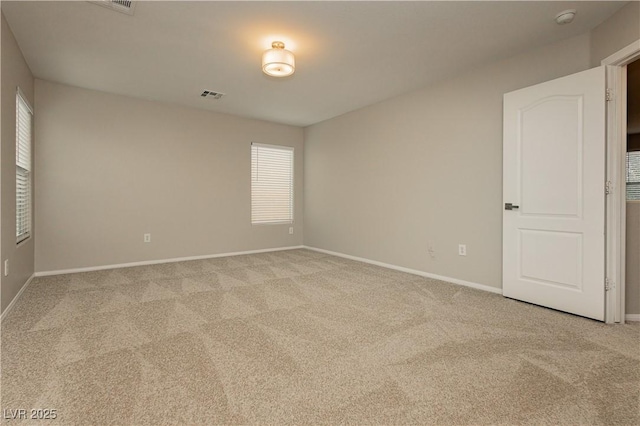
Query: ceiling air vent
122,6
211,94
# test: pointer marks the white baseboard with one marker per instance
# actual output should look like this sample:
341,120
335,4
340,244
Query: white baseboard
155,262
632,317
411,271
15,299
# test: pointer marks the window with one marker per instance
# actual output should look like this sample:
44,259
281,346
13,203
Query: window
24,116
271,184
633,175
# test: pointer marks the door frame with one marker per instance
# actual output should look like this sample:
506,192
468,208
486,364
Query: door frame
616,200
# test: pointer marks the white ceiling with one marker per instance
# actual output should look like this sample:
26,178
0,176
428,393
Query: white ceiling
348,54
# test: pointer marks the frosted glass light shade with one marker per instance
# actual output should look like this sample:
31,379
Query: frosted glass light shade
277,61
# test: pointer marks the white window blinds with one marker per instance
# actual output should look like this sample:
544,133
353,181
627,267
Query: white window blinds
24,116
633,175
271,184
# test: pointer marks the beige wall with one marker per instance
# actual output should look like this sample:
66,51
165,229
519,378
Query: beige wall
632,299
111,168
15,73
620,30
424,169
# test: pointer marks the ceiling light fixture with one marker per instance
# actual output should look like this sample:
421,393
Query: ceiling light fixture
565,17
277,61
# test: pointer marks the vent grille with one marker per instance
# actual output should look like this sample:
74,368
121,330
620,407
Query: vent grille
211,94
122,6
123,3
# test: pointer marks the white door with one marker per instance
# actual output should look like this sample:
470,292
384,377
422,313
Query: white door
554,176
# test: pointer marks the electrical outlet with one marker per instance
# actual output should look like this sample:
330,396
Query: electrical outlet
462,249
291,230
147,238
6,267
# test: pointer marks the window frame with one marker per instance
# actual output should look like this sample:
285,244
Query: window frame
292,198
23,237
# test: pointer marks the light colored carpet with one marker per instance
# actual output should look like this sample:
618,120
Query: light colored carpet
299,337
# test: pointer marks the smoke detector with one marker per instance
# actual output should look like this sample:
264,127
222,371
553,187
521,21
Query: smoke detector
122,6
565,17
212,94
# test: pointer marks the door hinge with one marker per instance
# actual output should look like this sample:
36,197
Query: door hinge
609,95
609,285
608,187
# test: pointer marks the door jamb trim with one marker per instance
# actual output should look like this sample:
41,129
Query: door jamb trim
616,147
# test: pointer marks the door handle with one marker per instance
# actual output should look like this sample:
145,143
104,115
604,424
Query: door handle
509,206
